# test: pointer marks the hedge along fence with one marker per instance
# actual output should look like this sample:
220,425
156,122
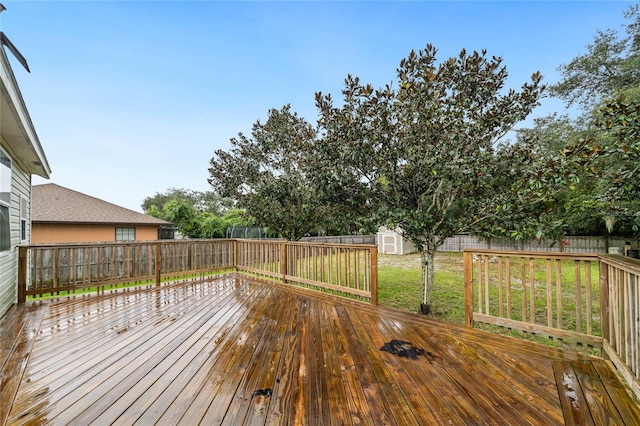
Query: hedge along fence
52,269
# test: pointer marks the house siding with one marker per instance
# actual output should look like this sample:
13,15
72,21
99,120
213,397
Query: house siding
20,187
53,233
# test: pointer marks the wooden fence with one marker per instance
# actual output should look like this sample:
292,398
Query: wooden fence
580,298
51,269
573,244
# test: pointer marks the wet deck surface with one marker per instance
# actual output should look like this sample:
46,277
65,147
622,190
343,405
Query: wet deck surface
237,351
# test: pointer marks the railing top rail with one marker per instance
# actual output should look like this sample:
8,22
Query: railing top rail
308,243
216,240
628,264
535,254
123,243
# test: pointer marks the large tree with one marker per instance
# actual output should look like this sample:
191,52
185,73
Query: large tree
576,206
604,82
611,64
614,159
426,153
267,174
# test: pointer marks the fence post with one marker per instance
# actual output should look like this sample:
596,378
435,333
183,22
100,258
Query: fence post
158,264
22,274
467,259
283,261
374,275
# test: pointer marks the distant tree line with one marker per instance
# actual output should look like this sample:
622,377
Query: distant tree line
196,214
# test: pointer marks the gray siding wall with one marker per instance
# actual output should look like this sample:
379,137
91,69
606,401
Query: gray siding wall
20,187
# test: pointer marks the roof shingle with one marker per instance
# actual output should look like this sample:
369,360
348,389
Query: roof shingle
54,203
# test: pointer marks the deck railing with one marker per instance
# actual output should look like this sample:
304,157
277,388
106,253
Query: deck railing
620,290
348,270
58,268
583,299
344,269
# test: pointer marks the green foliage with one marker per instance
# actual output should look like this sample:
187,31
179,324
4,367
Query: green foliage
183,215
552,132
610,65
268,174
237,217
615,158
211,226
600,148
196,214
425,155
202,201
154,211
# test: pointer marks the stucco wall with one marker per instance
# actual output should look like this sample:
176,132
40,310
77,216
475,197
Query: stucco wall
48,233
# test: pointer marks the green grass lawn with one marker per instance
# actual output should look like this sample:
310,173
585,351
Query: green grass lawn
400,284
399,287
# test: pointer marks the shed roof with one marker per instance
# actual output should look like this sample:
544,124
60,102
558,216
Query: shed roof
53,203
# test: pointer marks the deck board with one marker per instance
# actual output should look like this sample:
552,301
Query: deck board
207,352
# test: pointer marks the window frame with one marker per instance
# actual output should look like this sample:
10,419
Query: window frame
24,218
5,203
120,232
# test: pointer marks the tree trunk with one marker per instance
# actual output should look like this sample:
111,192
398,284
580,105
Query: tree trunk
427,256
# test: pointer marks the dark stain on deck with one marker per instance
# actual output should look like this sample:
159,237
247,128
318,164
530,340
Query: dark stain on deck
237,351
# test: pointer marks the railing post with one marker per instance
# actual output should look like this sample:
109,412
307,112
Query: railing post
283,261
235,254
22,274
467,259
158,263
604,301
374,275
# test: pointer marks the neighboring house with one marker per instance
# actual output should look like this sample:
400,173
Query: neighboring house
21,157
62,215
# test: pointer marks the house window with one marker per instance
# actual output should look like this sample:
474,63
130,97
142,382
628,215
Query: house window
24,213
5,202
125,234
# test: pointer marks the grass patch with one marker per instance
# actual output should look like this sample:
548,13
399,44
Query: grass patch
400,284
400,287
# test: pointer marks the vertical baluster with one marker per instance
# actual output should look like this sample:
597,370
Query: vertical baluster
559,294
578,296
486,285
549,294
479,259
508,284
500,286
589,303
523,288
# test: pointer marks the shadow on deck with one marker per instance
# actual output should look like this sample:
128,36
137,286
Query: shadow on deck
238,351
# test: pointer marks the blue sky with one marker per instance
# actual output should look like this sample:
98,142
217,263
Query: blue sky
132,98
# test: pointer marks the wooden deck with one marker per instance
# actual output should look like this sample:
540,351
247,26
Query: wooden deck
238,351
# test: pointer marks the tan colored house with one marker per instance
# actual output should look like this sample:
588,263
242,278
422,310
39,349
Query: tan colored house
62,215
